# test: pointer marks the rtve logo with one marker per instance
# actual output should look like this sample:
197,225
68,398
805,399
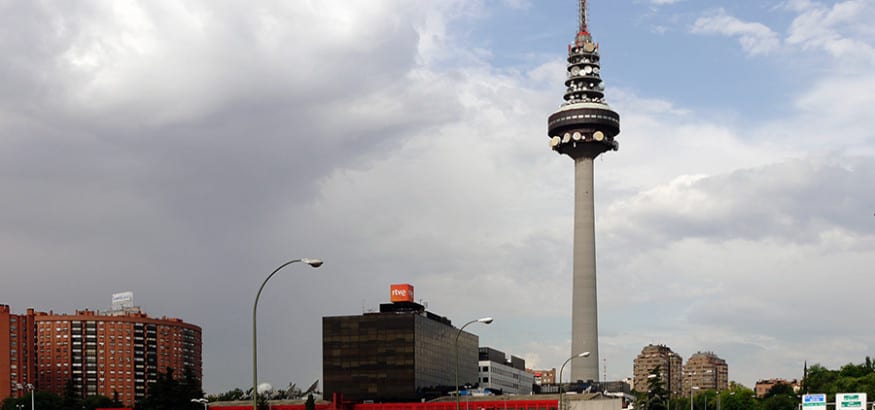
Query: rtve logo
401,293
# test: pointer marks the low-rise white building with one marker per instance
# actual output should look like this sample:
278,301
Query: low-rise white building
497,372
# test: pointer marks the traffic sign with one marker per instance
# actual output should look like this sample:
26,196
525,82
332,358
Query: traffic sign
851,401
814,402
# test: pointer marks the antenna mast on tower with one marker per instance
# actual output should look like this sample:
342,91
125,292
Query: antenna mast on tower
584,10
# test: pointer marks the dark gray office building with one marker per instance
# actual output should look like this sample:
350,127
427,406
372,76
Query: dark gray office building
401,353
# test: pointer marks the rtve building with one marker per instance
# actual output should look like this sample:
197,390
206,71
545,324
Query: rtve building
404,353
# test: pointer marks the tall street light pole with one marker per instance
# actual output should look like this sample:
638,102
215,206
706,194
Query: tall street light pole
691,394
485,321
32,394
584,354
668,383
313,263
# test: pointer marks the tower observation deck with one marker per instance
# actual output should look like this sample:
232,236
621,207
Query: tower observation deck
582,128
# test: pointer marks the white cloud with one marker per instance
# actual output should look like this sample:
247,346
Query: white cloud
172,62
842,30
731,262
755,38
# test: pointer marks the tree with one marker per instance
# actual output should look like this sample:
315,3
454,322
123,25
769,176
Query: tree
170,393
190,387
116,403
261,401
230,395
656,397
780,397
850,378
42,400
780,402
780,389
738,397
97,402
71,399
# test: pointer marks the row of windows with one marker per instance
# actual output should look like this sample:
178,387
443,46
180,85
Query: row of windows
585,116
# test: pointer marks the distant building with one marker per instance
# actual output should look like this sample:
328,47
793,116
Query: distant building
763,386
17,359
100,353
670,369
508,375
705,371
401,353
543,377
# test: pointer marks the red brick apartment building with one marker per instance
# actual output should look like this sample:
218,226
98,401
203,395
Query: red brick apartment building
101,353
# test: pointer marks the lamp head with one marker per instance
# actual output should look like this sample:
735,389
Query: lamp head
485,320
584,354
312,262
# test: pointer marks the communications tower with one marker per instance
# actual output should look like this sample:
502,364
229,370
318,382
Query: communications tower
582,128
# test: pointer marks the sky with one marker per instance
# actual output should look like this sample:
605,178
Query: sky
184,150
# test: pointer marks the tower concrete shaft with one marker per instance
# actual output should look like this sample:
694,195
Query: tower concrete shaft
584,305
583,128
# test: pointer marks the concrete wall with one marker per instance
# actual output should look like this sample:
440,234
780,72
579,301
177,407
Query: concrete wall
603,404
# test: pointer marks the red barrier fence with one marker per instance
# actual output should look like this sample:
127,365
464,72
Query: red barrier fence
441,405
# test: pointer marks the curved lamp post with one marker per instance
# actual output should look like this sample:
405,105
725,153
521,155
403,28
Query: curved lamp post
201,401
668,381
32,389
584,354
312,262
485,321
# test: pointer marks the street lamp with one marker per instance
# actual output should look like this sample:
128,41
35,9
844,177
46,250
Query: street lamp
668,383
584,354
691,394
30,387
485,321
202,401
313,263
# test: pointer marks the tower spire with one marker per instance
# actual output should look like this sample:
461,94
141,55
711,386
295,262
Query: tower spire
582,18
